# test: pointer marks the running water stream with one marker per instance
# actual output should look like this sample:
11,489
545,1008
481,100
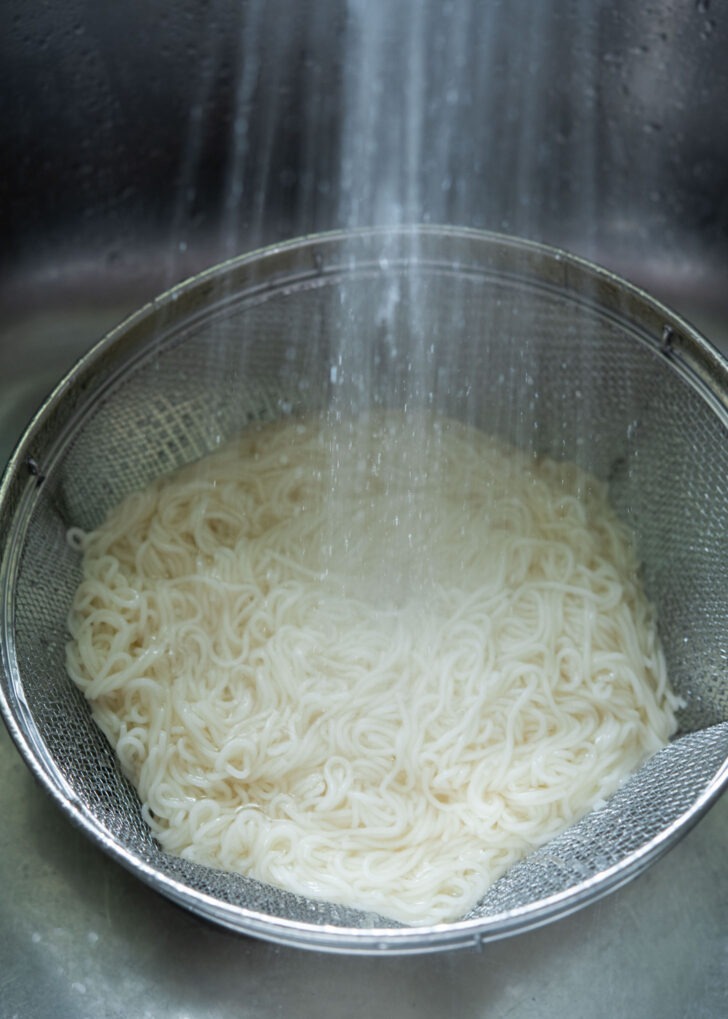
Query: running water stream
356,113
378,114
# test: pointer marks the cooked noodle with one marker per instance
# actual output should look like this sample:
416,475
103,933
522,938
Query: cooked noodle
374,663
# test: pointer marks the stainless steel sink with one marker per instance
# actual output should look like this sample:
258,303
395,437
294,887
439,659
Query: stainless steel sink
126,130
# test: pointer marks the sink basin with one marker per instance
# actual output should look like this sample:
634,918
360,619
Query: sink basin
145,141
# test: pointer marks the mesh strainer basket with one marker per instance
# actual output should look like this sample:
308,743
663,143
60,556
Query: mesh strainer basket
542,348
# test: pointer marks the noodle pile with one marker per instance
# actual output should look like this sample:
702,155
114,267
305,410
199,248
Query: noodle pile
374,663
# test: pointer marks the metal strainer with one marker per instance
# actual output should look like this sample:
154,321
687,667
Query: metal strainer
544,349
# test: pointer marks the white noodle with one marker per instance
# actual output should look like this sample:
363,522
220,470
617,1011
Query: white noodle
374,663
